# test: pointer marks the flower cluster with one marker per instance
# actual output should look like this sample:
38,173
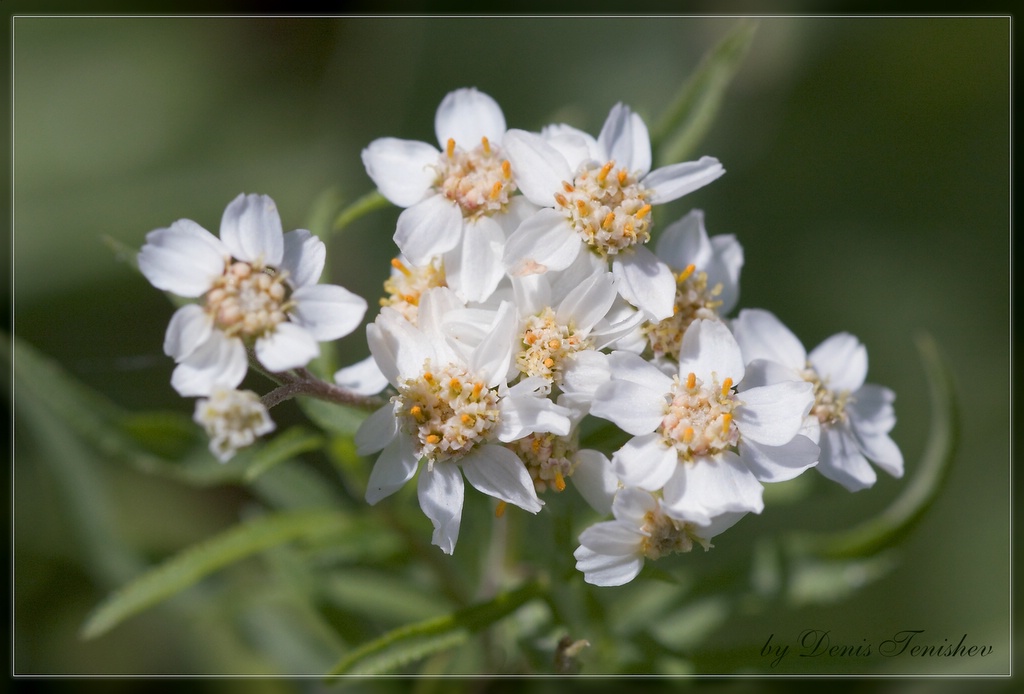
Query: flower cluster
536,287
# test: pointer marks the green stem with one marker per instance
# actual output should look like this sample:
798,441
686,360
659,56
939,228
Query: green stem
368,203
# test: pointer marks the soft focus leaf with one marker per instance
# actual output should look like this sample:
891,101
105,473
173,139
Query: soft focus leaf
822,581
688,118
413,642
188,567
282,447
335,419
368,203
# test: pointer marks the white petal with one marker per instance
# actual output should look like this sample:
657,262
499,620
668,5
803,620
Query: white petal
779,463
382,350
841,460
762,372
467,115
363,378
574,144
672,182
711,486
398,342
189,328
841,361
625,139
584,373
870,409
710,352
428,229
605,570
594,480
184,259
377,430
304,257
327,311
724,270
613,539
496,471
645,282
403,170
220,361
539,169
587,303
251,229
441,492
289,346
628,366
493,356
761,335
395,466
632,407
882,451
772,415
684,242
543,242
524,415
632,506
474,268
645,462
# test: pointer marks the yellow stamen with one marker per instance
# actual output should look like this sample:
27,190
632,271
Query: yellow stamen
451,148
561,199
642,212
506,169
691,380
608,220
622,177
530,338
726,386
605,170
433,438
495,190
687,434
582,207
413,299
554,344
567,187
428,377
685,274
499,511
535,445
400,266
417,412
627,229
477,388
486,144
559,481
456,385
549,362
467,419
726,421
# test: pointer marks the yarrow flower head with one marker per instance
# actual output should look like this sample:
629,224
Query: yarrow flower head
705,445
612,553
454,412
706,271
257,287
233,419
850,419
456,198
598,195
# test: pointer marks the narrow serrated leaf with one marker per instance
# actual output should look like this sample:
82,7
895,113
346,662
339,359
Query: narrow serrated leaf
189,566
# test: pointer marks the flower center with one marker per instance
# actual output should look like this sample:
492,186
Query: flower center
547,457
248,300
406,284
699,419
694,300
546,343
479,180
665,535
233,419
607,208
829,406
448,411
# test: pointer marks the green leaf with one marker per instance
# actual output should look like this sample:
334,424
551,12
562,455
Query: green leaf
688,118
920,492
339,420
187,568
413,642
282,447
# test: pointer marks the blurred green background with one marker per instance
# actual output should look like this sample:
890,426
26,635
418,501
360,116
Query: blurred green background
867,178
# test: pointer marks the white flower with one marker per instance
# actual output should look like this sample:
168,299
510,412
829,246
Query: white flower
597,194
707,446
258,287
850,419
458,198
707,273
408,281
453,411
233,419
612,553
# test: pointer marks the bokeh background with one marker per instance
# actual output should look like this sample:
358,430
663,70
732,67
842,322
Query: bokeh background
868,173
